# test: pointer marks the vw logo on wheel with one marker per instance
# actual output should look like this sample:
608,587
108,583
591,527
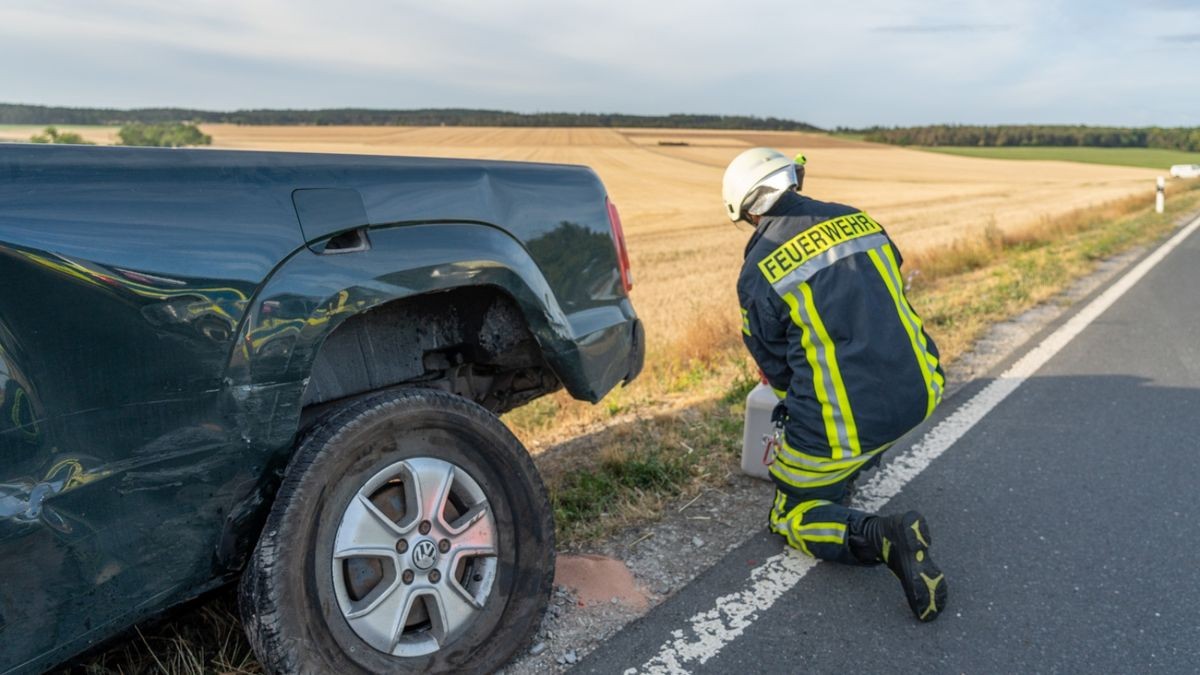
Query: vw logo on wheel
424,554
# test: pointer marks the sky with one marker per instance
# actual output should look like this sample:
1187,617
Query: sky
852,64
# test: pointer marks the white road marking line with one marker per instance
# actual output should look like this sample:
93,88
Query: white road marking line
709,631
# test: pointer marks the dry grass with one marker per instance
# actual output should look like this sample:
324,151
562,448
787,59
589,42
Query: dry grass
201,637
985,247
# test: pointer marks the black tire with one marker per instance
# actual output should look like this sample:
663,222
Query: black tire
287,599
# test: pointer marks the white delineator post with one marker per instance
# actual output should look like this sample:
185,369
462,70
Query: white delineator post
1158,198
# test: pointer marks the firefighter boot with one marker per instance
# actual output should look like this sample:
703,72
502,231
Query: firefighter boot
902,543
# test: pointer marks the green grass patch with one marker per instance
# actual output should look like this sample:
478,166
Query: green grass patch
646,462
696,372
1148,158
591,494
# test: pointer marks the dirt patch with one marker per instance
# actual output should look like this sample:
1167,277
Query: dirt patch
597,579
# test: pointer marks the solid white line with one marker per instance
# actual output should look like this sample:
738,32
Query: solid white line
709,631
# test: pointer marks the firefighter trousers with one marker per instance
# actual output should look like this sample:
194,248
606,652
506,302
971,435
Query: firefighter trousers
816,521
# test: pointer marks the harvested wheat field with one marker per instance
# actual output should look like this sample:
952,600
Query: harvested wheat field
667,182
20,133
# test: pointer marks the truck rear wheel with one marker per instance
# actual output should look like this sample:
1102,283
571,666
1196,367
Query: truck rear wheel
411,533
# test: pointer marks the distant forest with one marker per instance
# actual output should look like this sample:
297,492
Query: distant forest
35,114
1178,138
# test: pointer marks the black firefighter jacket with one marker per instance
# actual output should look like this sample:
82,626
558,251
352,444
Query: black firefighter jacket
825,317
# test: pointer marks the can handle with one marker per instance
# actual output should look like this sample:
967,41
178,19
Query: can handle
771,445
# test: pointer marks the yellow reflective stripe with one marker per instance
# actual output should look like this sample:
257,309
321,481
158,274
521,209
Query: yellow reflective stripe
796,543
779,525
746,322
810,353
799,478
842,412
782,524
916,319
815,533
804,507
823,538
800,460
833,472
831,533
841,527
919,352
840,428
789,525
777,513
779,392
835,373
932,360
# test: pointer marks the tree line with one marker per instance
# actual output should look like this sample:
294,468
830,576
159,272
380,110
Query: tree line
35,114
1168,138
162,135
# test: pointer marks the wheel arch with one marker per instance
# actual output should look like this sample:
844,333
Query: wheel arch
308,298
277,380
471,341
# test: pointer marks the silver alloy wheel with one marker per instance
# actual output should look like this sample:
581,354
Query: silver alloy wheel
414,557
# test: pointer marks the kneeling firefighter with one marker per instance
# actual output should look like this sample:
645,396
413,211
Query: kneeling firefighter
825,317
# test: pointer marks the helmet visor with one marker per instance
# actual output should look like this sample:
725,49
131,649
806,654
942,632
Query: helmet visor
768,190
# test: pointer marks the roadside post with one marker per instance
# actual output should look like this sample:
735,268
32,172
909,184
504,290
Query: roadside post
1159,197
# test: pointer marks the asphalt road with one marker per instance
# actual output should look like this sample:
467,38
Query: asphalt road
1065,520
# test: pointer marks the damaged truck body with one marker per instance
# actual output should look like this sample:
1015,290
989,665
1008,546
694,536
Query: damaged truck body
290,365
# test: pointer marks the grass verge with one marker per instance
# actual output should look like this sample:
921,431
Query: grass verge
1148,158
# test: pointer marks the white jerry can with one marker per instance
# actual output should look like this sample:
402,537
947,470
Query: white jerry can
756,456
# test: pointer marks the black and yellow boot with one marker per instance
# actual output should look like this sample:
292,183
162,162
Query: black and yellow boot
902,543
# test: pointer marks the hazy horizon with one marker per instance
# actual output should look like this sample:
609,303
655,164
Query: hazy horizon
571,112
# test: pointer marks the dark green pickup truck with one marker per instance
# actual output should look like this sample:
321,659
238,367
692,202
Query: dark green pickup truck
287,368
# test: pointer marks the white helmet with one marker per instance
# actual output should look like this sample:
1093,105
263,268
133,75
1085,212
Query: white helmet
755,168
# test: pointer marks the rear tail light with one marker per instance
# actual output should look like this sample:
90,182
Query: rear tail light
614,220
